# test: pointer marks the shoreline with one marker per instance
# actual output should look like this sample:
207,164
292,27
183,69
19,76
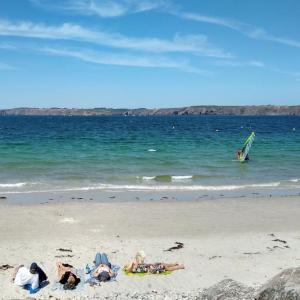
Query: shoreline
225,238
115,196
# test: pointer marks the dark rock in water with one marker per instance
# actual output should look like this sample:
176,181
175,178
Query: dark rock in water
228,289
3,198
283,286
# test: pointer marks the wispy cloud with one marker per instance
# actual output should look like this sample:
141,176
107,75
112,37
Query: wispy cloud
236,63
7,46
295,75
6,67
261,34
114,8
251,31
120,59
257,64
103,8
233,24
195,44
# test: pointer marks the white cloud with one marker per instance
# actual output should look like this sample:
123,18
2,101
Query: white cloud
261,34
7,46
7,67
195,44
257,64
118,59
236,63
103,8
251,31
208,19
295,75
114,8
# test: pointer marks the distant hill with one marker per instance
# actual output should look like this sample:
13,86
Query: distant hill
190,110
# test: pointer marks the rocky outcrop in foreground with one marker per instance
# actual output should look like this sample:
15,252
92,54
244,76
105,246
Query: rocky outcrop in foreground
228,289
225,290
191,110
284,286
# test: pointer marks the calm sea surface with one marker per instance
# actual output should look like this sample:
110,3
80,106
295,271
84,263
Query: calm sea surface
147,153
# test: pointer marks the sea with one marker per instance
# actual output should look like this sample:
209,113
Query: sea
149,153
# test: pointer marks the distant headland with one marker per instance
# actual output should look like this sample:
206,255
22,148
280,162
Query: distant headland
189,110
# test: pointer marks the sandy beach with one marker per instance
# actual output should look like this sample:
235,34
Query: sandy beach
223,238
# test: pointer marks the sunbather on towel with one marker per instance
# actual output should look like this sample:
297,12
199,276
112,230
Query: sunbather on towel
102,271
31,278
67,276
138,265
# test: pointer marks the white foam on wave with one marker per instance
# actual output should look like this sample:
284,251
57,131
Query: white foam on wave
295,180
183,188
173,178
19,184
147,178
152,150
184,177
103,187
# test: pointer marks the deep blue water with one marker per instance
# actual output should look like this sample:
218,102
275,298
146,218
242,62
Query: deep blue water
184,152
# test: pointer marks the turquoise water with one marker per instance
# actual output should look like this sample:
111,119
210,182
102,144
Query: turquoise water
147,153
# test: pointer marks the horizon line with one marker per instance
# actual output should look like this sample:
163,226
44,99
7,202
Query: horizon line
151,108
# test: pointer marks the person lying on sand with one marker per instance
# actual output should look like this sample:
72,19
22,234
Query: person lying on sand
67,276
102,271
31,279
138,265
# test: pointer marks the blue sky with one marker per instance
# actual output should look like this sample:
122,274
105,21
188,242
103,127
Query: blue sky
149,53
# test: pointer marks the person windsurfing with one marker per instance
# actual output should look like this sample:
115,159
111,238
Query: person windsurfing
239,152
242,154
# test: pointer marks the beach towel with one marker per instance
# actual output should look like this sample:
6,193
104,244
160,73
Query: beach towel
144,274
92,280
29,288
79,287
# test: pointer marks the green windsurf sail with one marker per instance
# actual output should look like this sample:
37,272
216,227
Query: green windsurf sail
246,147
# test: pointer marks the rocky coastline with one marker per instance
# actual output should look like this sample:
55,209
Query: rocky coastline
190,110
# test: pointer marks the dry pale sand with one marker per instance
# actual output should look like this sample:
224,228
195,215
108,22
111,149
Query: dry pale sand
228,238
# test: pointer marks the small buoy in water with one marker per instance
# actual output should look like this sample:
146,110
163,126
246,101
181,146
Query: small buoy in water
294,129
173,127
217,130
